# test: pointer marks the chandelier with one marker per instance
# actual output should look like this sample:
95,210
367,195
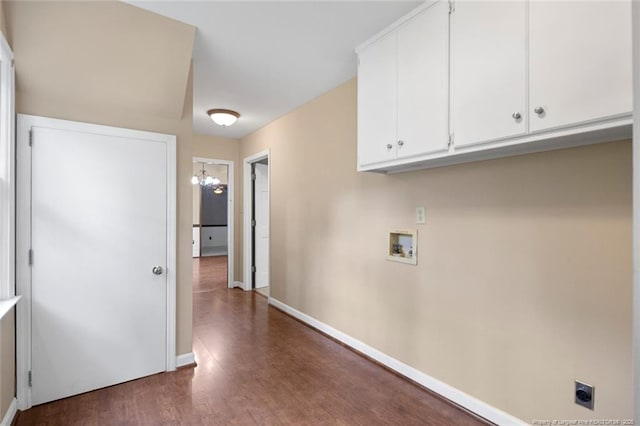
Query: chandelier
203,178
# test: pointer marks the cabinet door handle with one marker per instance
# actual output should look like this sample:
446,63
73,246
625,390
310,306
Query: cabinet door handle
516,115
538,110
389,146
400,143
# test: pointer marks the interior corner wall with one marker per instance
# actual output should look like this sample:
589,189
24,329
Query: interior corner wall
220,148
523,281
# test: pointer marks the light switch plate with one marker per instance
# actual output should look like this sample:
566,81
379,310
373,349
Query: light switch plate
420,216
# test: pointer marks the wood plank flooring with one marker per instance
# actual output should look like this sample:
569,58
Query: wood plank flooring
209,273
256,366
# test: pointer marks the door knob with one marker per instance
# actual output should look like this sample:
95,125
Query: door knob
516,116
157,270
538,110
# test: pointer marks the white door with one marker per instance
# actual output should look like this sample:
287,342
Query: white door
99,226
262,225
377,79
488,71
580,65
423,83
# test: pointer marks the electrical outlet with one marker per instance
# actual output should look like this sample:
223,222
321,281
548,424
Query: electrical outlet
584,395
420,215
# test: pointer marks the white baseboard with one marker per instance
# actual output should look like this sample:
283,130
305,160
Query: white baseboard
238,284
11,413
185,359
467,401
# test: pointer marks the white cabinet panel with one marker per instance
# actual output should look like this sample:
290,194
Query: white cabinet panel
195,242
403,90
423,83
488,71
377,76
568,60
580,61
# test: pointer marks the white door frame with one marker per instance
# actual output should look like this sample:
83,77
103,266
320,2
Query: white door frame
7,171
230,217
247,208
23,237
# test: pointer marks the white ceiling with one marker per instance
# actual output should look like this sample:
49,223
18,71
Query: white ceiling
265,58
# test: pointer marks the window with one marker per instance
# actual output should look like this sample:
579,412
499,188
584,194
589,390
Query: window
7,173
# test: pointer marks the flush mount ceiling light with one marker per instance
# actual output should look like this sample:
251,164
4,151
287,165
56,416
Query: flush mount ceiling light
203,178
223,117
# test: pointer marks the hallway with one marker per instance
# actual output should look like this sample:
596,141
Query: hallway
256,365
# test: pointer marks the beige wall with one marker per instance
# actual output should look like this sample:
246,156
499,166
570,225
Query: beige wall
523,280
3,26
114,100
219,148
7,362
105,53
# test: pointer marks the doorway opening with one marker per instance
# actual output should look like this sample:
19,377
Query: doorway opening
256,176
212,242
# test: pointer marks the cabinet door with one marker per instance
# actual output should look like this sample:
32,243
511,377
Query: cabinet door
580,61
377,104
423,82
488,71
196,241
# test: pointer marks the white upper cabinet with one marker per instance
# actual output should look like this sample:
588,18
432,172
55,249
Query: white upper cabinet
423,83
580,62
488,71
515,77
403,89
377,97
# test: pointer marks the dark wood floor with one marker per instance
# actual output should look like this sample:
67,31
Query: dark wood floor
256,365
209,273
